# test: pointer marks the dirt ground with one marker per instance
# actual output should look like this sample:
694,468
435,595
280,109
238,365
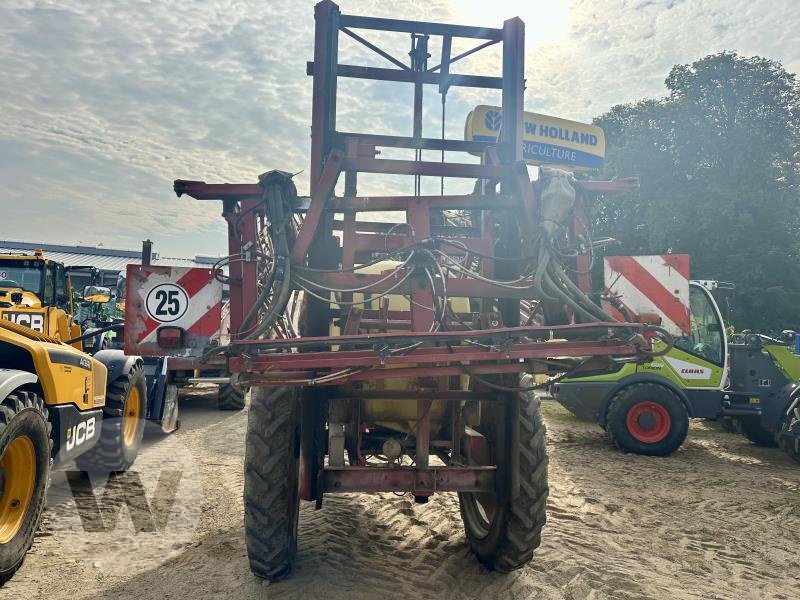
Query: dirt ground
720,519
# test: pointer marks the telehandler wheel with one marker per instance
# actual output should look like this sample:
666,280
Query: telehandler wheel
271,472
504,536
230,397
647,418
25,447
123,425
753,431
730,425
789,437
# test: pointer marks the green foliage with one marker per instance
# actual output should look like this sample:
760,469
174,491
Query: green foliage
718,164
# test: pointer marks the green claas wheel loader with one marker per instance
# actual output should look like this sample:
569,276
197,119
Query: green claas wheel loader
764,392
645,407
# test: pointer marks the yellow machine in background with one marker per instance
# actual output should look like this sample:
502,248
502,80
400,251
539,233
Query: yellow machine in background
57,403
34,292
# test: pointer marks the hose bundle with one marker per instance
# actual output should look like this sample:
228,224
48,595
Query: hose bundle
543,275
275,270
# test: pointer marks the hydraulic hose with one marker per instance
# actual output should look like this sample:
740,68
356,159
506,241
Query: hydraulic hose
276,192
579,295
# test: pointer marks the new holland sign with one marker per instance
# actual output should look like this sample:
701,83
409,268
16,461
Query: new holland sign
547,140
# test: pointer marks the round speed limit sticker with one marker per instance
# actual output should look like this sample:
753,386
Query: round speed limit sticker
167,302
3,275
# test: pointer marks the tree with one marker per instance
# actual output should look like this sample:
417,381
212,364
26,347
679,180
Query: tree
718,163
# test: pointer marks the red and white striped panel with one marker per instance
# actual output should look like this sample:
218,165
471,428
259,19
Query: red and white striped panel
185,297
652,284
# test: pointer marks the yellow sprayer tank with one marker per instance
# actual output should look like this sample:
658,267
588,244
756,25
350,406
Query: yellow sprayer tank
398,413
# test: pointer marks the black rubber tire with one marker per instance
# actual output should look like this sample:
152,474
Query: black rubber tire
730,425
25,414
271,472
515,529
790,442
230,397
753,431
629,396
111,454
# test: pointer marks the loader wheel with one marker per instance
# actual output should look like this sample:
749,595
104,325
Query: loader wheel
230,397
122,427
647,418
730,425
504,536
789,437
25,447
756,433
271,471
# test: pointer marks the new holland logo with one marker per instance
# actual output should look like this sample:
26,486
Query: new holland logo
687,370
493,120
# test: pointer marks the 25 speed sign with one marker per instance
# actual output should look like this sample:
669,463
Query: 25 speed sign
161,296
167,302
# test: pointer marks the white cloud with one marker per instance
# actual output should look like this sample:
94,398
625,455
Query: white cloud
104,103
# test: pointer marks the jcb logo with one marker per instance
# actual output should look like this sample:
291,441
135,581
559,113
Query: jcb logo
33,320
79,434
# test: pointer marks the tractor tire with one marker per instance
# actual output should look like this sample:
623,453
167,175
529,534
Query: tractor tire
506,539
124,417
730,425
230,397
271,473
647,418
25,449
753,431
789,437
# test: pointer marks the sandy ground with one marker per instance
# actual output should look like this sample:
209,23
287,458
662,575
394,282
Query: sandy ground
720,519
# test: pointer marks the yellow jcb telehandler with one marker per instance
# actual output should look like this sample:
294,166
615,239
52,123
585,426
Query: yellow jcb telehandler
57,403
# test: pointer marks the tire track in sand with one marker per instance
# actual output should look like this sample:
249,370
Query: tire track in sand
716,520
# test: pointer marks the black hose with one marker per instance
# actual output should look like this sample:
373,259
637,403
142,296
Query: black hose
665,336
281,273
96,332
578,295
541,269
584,315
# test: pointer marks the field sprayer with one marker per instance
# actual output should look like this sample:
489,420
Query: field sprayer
406,376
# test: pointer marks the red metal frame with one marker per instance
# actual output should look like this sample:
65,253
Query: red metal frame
363,357
420,481
441,355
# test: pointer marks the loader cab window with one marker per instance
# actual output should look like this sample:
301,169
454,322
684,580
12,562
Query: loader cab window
54,287
48,289
705,339
61,291
120,287
25,274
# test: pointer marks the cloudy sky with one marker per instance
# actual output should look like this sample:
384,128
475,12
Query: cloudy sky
104,103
